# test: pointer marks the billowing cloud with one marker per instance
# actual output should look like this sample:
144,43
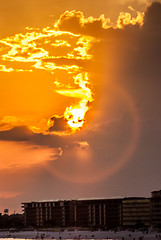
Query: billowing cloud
75,21
41,51
64,47
152,19
97,27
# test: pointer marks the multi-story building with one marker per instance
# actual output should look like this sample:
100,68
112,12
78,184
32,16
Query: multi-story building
30,214
84,213
99,212
136,212
53,213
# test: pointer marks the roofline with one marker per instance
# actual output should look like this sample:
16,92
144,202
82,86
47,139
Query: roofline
86,199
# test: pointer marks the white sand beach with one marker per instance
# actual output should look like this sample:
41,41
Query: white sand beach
123,235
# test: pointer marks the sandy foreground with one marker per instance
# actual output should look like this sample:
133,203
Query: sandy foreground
123,235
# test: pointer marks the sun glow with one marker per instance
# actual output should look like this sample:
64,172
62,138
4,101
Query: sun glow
75,115
63,52
52,51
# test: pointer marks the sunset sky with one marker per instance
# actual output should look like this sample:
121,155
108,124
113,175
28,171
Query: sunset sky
80,94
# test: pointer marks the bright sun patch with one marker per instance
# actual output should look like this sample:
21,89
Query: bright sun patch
75,115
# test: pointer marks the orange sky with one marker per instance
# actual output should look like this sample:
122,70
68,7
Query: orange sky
44,65
69,97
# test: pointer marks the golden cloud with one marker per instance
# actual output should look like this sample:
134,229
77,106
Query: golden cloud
125,19
62,48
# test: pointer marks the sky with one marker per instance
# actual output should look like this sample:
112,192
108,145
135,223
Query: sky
80,93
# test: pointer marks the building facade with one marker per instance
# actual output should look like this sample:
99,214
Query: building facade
48,214
136,212
104,213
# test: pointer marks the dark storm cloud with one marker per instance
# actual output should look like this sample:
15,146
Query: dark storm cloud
22,134
152,19
143,50
36,140
16,134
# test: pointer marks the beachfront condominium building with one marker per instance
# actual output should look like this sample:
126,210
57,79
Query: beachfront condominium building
136,212
105,213
49,213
